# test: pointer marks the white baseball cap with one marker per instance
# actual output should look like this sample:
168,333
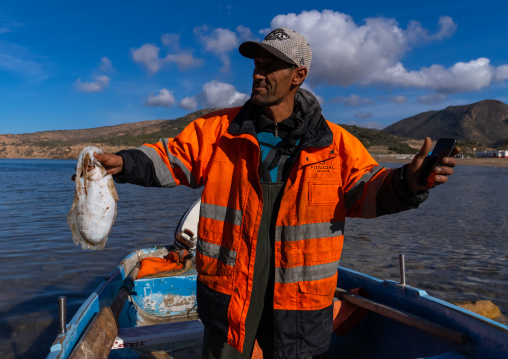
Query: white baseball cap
284,43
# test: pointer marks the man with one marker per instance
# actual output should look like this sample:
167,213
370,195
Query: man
278,182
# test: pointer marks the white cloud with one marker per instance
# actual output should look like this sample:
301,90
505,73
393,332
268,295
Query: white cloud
215,94
148,55
245,34
183,60
432,99
221,41
399,100
171,40
189,103
105,65
417,34
165,98
217,40
363,115
265,32
346,53
471,76
20,60
97,85
353,101
502,73
367,124
220,94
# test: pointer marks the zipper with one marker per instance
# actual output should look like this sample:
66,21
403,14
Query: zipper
276,131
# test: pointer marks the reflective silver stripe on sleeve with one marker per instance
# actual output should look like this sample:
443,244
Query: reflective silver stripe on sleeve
305,273
220,213
309,231
161,170
217,252
175,162
355,192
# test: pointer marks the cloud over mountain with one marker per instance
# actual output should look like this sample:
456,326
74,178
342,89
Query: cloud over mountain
215,94
347,53
165,98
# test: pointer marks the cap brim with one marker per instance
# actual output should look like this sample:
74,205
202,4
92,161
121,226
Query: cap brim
250,49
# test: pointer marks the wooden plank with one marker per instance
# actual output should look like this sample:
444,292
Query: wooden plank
158,334
401,316
97,341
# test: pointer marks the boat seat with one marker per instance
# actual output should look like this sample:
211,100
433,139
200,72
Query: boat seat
158,334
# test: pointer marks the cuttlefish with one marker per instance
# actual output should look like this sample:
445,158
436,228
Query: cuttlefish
93,211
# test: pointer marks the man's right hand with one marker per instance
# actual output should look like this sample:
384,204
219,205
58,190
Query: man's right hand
112,163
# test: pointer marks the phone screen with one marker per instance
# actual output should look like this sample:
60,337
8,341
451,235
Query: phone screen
443,148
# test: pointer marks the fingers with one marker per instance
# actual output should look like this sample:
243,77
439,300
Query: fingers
415,168
424,151
112,163
439,174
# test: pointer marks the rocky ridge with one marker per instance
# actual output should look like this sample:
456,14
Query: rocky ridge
484,122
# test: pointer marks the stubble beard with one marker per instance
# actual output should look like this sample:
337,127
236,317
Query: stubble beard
261,97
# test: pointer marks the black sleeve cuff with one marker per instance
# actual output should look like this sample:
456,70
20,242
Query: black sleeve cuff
414,198
137,169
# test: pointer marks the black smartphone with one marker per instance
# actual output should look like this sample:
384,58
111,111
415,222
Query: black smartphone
443,148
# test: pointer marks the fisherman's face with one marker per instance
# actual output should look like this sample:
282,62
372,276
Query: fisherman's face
272,79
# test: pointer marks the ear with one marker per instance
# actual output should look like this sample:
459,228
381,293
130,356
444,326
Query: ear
299,75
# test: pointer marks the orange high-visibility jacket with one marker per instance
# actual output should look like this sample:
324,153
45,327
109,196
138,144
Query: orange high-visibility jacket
325,185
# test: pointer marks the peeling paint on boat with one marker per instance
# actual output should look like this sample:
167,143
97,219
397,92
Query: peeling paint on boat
162,297
167,303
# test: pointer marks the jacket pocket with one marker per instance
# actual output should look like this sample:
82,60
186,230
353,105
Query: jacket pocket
214,259
317,294
324,194
324,286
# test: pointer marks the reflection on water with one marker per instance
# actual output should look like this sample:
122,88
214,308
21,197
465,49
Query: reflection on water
455,244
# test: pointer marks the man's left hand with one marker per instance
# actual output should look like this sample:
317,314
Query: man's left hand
441,171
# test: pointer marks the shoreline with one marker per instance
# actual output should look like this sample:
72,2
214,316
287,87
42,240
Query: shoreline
380,158
487,162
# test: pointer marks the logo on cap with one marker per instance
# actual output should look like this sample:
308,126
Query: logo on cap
278,34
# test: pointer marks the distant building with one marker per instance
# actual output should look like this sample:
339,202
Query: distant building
493,154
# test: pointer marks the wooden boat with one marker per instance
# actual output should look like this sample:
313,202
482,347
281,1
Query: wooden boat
159,320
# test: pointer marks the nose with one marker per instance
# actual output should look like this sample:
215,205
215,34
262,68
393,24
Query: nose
258,74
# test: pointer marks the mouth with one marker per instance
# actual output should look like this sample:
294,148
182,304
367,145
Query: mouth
258,87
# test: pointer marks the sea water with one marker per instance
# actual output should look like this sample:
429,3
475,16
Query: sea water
455,244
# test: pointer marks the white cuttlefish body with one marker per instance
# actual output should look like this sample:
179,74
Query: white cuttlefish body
93,211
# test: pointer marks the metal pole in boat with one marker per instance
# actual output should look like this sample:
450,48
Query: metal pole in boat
402,264
62,314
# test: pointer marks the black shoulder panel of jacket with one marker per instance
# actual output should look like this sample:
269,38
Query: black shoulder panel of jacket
137,169
395,196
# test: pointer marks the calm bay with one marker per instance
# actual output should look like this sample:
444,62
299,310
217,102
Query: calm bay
455,244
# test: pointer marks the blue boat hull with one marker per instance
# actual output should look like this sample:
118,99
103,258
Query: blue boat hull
161,315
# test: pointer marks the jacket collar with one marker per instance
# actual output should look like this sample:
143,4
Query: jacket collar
311,127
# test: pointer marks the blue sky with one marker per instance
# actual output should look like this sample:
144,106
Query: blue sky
83,64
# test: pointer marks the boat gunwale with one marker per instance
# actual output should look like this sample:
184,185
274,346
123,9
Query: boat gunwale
93,303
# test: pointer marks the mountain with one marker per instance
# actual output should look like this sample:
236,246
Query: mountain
67,144
484,122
